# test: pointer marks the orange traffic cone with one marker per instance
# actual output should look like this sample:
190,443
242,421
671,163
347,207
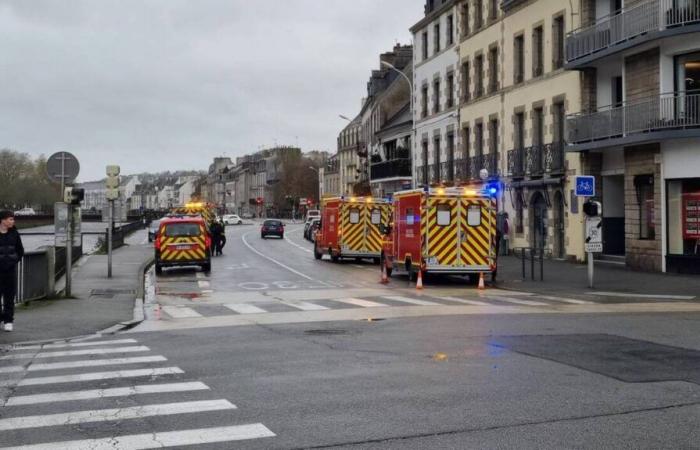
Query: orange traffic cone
419,281
384,279
482,286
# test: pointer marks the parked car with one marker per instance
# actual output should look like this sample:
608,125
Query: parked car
232,219
272,227
313,229
313,214
25,212
183,241
153,230
309,227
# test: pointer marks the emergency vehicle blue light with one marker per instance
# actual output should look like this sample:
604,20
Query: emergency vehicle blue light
493,190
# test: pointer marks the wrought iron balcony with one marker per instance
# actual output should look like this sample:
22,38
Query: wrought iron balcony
515,163
666,116
488,161
422,175
394,168
647,20
433,173
461,169
447,171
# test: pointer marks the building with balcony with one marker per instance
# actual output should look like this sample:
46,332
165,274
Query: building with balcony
514,94
390,164
349,148
639,125
435,76
331,177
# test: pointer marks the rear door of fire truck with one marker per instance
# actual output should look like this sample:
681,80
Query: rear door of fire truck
406,232
353,224
477,233
377,214
442,231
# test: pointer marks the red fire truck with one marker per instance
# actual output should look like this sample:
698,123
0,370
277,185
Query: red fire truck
442,230
351,227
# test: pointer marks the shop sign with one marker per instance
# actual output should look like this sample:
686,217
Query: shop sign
691,216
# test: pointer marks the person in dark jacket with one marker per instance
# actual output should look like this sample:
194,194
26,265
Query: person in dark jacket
216,231
11,251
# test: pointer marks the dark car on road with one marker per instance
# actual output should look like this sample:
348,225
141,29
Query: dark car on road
153,230
310,229
272,227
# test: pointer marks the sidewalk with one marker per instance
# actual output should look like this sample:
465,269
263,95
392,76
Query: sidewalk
98,302
564,278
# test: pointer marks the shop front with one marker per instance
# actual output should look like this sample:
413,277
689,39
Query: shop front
683,210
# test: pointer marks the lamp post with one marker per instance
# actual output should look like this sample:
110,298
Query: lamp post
408,80
413,121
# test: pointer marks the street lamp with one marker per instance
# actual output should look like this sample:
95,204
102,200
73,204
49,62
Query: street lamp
344,117
410,84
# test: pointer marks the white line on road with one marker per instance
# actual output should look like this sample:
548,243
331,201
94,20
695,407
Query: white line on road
180,312
104,393
632,295
295,244
516,301
94,376
115,414
466,302
412,301
573,301
83,363
199,436
305,306
89,351
250,247
204,284
77,344
244,308
358,302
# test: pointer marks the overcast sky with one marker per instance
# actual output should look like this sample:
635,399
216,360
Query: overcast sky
157,85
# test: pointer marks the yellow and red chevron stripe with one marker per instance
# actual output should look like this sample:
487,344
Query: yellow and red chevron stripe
353,233
197,250
476,241
442,239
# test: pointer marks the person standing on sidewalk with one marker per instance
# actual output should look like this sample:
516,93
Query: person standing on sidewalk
11,251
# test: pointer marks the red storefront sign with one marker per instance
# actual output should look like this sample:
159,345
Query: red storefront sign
691,216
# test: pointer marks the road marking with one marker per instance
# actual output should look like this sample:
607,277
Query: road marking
204,284
516,301
573,301
180,312
466,302
199,436
295,244
250,247
104,393
305,306
76,344
83,363
412,301
632,295
91,351
358,302
94,376
114,414
244,308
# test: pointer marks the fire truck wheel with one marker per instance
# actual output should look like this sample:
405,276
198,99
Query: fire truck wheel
206,268
335,258
493,276
317,254
159,269
376,260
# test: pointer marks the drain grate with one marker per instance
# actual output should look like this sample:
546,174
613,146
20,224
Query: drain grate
110,293
329,331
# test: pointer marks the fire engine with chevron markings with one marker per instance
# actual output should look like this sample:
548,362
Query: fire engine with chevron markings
183,240
351,228
449,230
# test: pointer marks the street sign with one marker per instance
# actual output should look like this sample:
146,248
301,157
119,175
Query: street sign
585,186
594,234
120,211
60,217
62,167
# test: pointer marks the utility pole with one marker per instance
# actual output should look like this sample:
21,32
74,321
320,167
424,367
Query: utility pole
111,194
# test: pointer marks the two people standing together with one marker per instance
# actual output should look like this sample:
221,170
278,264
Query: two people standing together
11,252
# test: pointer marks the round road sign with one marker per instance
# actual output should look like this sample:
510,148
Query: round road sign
62,167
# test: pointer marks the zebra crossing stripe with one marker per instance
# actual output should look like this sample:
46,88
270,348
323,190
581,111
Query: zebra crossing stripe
105,393
466,302
199,436
91,351
113,414
305,306
412,301
573,301
76,344
94,376
517,301
359,302
244,308
181,312
83,363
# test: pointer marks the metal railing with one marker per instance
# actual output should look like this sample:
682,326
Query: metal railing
422,175
35,275
488,161
433,173
515,162
675,110
461,169
447,171
391,169
628,23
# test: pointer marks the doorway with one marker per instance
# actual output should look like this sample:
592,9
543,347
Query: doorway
614,215
558,212
538,231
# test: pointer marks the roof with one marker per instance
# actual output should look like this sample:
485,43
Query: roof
178,218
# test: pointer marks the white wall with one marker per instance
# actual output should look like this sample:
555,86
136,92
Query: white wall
681,158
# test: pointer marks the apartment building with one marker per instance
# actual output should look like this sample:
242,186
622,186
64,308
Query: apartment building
639,125
349,149
514,96
435,75
331,177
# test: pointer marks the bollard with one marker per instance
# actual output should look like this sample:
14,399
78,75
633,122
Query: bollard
542,264
522,258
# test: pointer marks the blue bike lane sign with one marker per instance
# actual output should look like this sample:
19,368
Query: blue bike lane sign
585,186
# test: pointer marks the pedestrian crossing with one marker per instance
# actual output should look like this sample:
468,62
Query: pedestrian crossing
197,310
52,390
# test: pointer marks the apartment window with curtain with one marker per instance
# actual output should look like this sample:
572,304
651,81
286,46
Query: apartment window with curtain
450,31
466,80
464,19
478,14
537,51
424,44
450,89
436,38
558,42
478,76
493,70
436,96
519,59
424,101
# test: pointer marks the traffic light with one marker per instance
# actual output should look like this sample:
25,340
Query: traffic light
592,208
73,196
112,183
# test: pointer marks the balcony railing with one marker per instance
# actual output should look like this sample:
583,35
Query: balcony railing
461,169
536,160
433,174
629,23
672,111
447,171
391,169
515,163
422,175
488,161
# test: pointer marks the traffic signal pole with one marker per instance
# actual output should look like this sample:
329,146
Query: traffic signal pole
69,251
110,226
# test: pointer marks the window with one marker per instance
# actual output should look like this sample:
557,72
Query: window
537,52
537,127
182,229
376,216
465,81
519,138
644,185
436,156
493,136
450,30
493,70
478,76
559,121
683,200
493,9
479,139
425,162
474,216
519,211
449,175
466,138
464,18
558,42
617,91
444,215
354,215
436,96
519,59
424,43
478,14
424,99
436,38
410,216
450,89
